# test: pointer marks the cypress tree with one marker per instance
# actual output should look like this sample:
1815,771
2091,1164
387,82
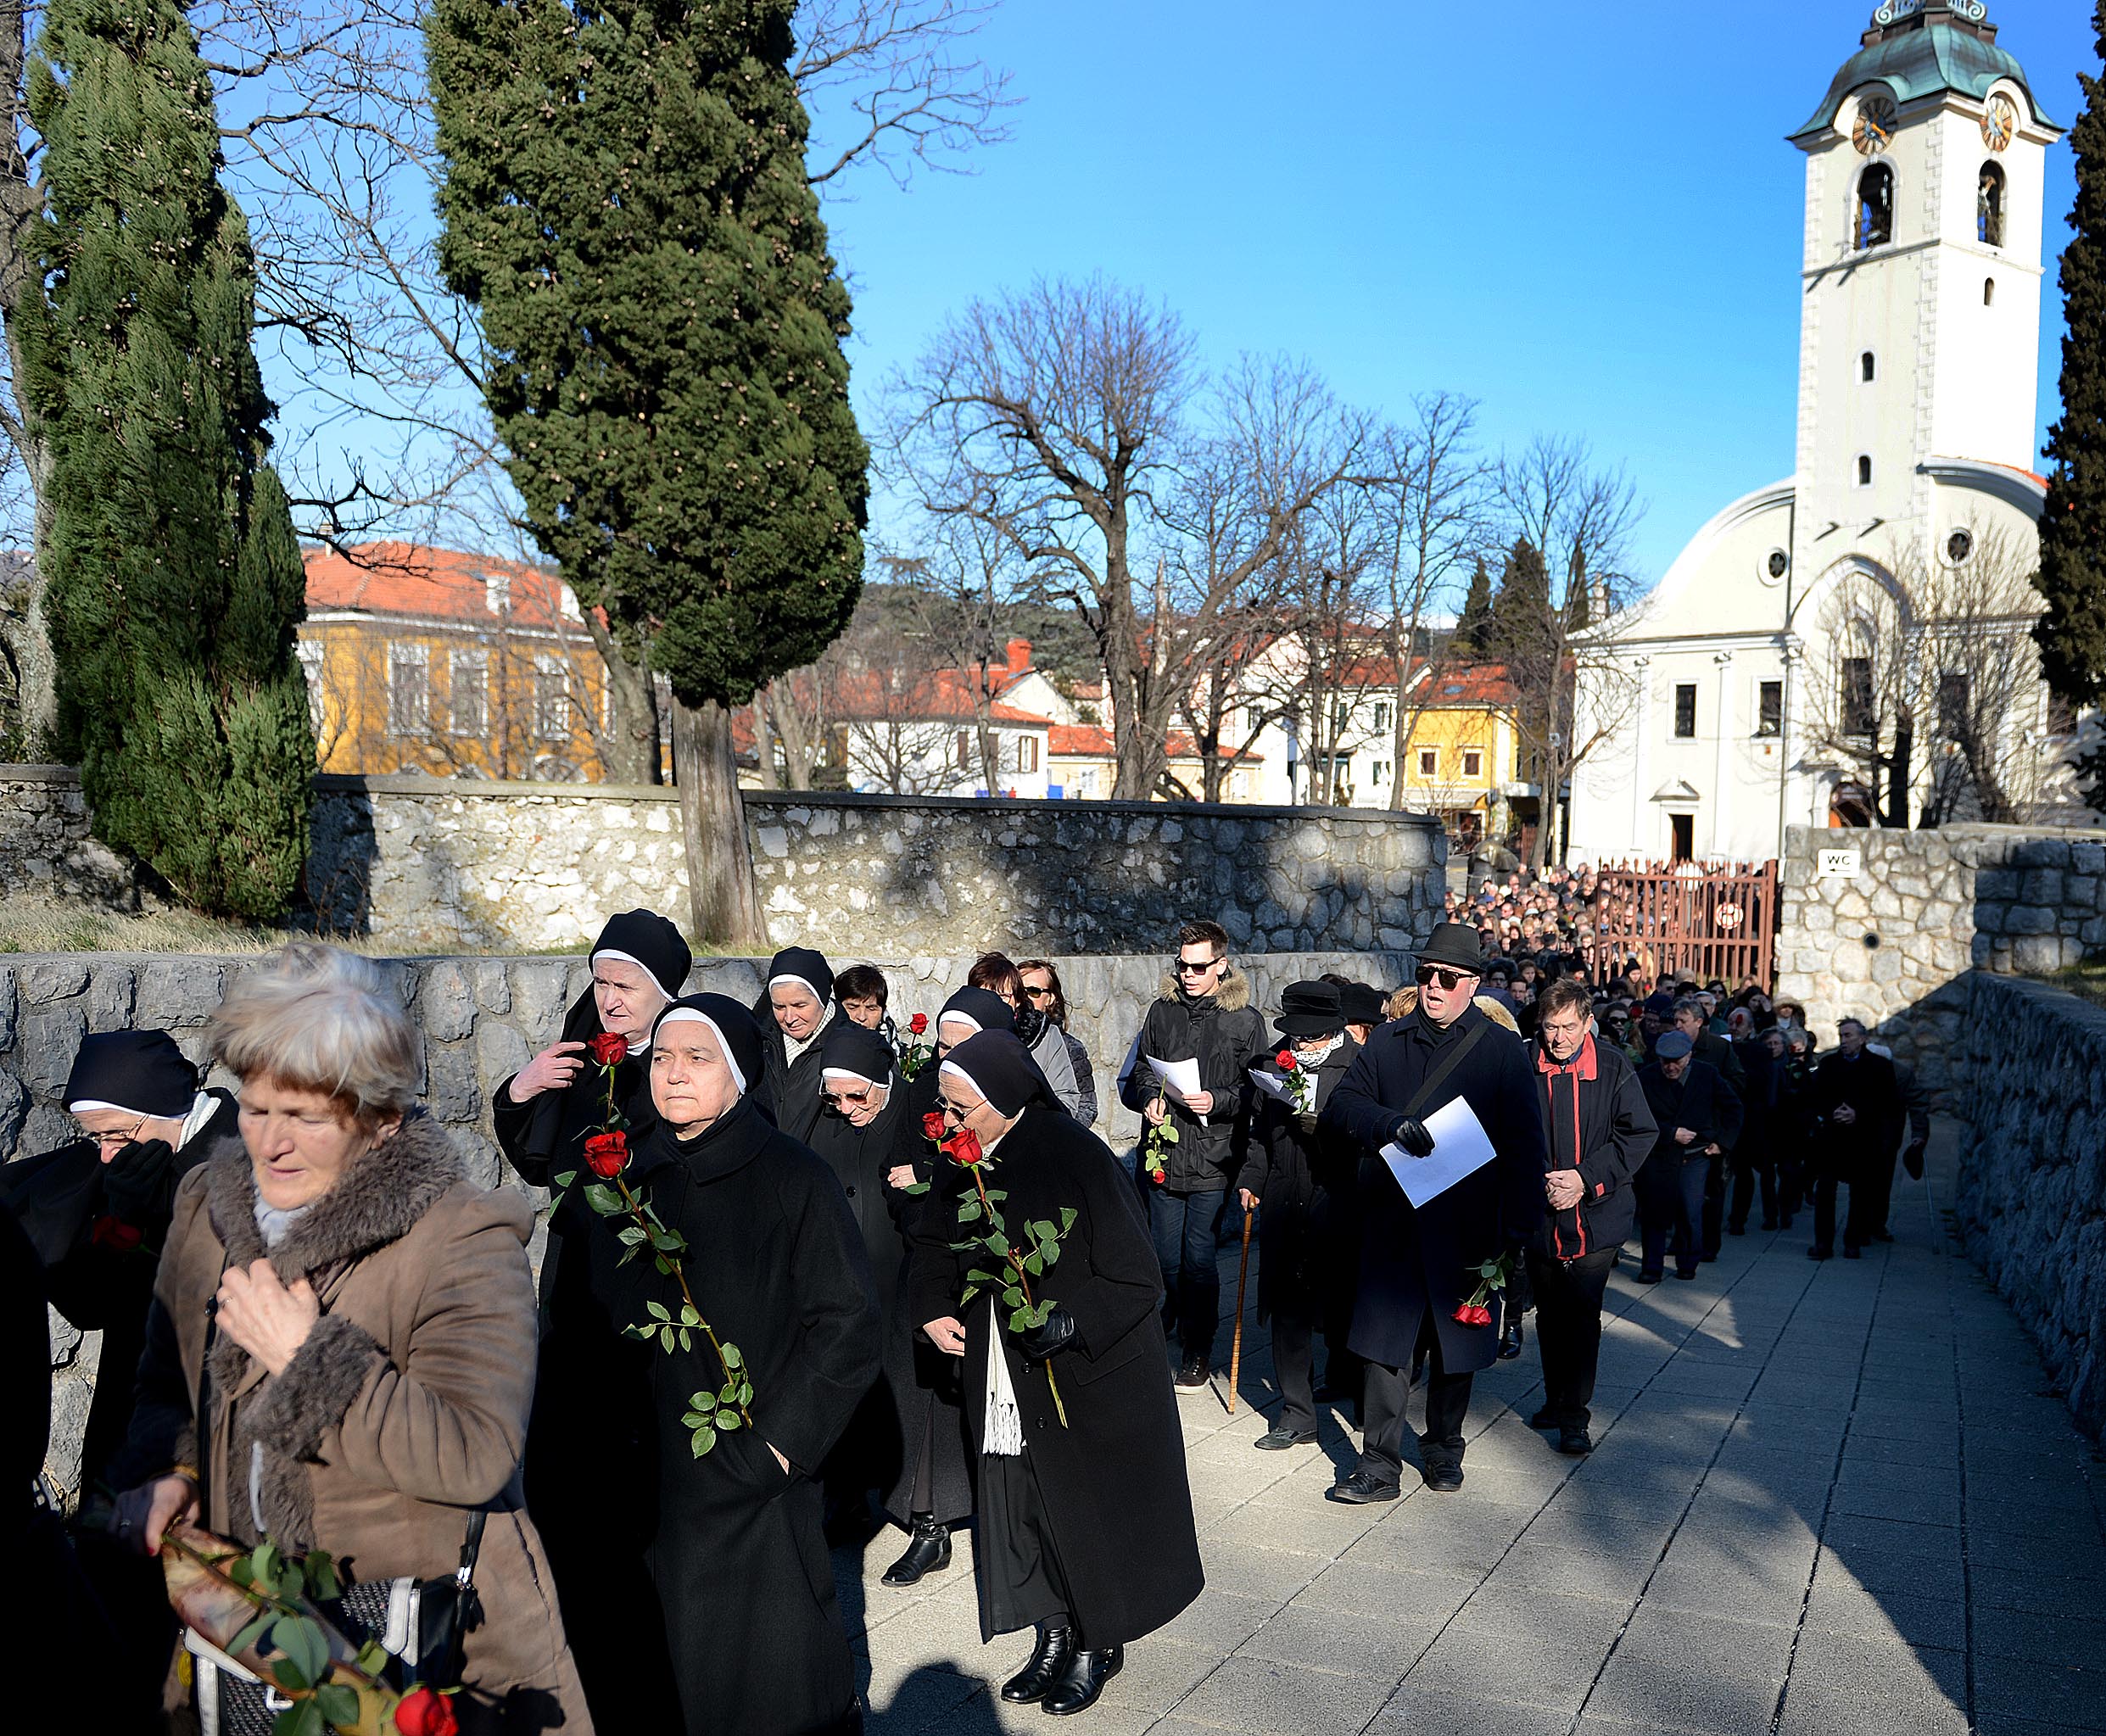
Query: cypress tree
1474,623
625,202
1521,612
2072,576
174,576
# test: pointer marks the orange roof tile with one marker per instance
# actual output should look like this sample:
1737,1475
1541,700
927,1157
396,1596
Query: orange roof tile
439,584
1092,742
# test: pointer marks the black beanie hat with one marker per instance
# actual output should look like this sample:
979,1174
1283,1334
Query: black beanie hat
140,1072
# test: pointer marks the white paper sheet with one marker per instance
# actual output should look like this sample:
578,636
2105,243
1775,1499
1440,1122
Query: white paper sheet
1270,1083
1460,1147
1180,1076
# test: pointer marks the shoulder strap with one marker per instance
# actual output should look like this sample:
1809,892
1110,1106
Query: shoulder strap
1453,1059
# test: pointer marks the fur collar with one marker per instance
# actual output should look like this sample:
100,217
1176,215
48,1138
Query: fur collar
1233,994
377,1200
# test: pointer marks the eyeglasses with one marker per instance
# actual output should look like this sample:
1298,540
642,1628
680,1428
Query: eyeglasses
1038,994
848,1100
950,1111
1186,967
1445,978
117,1142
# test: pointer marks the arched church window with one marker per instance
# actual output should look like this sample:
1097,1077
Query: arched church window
1875,206
1867,366
1959,546
1989,205
1864,471
1989,291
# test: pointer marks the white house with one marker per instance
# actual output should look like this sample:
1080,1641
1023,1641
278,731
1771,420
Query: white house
1919,337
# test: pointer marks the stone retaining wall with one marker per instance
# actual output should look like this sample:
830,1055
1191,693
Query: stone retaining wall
2031,1205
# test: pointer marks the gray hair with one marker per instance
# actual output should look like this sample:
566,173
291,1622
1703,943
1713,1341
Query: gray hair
318,1019
1688,1003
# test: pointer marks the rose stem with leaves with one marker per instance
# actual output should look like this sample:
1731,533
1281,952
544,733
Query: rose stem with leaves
679,1277
1023,1282
261,1601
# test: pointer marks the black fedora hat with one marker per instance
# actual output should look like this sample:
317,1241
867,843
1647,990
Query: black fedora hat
1309,1010
1455,945
1364,1004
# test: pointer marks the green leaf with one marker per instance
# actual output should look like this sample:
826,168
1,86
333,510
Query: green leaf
604,1200
666,1242
971,1291
287,1675
1169,1133
250,1634
1019,1320
703,1401
321,1575
997,1243
1043,1231
665,1339
658,1311
996,1193
634,1332
687,1339
1034,1264
687,1316
301,1718
979,1277
967,1211
242,1573
1012,1295
732,1358
628,1234
745,1391
372,1657
1050,1252
338,1704
300,1638
916,1187
728,1419
566,1179
705,1438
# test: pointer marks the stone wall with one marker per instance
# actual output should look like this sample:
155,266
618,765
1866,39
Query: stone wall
481,1019
2032,1204
447,865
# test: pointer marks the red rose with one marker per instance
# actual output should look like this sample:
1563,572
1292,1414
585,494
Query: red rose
932,1126
606,1154
1158,1177
115,1234
962,1147
917,1024
1284,1060
422,1712
607,1049
1474,1314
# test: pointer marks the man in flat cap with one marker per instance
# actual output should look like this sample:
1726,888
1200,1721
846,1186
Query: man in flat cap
1698,1118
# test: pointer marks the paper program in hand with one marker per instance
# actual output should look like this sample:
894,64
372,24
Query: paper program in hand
1460,1147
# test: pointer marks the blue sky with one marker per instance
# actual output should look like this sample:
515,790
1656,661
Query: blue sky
1586,216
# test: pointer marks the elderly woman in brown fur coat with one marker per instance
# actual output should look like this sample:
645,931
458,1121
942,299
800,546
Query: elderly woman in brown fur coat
341,1350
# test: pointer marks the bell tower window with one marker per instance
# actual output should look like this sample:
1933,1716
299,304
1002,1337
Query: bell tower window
1864,471
1989,291
1868,367
1989,206
1875,207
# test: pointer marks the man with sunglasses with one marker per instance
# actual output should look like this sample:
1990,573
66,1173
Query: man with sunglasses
1204,1014
1419,1264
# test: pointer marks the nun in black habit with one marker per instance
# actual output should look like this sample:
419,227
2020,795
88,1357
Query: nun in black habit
705,1603
1085,1529
934,1494
797,1009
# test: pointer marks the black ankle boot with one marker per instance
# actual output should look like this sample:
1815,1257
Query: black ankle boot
928,1552
1083,1679
1048,1665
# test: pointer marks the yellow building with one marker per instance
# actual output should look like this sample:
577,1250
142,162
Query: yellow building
1463,755
457,664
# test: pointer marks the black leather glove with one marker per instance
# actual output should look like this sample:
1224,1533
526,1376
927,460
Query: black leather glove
1412,1136
139,1183
1056,1332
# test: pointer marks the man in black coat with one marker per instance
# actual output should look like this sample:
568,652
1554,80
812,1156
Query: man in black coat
1204,1014
1858,1115
1697,1118
1599,1130
1300,1181
1419,1264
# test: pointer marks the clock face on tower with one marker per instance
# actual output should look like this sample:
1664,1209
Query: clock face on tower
1999,121
1873,130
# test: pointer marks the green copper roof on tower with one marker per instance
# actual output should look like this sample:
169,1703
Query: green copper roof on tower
1919,48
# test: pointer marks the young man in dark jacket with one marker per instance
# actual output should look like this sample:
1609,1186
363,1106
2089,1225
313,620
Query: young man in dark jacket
1600,1131
1859,1115
1302,1183
1204,1014
1697,1118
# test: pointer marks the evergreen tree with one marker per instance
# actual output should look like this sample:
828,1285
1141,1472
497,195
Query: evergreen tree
1579,605
1473,624
2072,633
625,201
175,576
1521,611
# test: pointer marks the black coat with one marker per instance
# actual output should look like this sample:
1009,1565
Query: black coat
1224,1033
545,1136
1870,1085
1413,1261
1596,1115
1113,1481
63,1201
698,1594
791,1088
1306,1181
1699,1100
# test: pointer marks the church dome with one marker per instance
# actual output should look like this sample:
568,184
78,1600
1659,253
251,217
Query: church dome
1918,47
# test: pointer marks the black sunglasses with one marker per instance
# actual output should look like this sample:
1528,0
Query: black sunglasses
1445,979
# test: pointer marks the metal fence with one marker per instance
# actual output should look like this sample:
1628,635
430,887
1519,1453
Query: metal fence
1711,919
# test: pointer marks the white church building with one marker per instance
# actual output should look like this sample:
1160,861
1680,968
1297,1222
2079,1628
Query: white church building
1715,719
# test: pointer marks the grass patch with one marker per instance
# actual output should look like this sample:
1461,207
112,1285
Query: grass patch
2086,980
182,931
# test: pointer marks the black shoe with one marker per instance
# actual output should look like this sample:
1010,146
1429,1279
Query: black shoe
929,1552
1784,1222
1820,1254
1737,1229
1509,1341
1444,1479
1850,1253
1544,1419
1649,1277
1279,1437
1575,1441
1359,1489
1048,1665
1083,1681
1193,1372
1680,1273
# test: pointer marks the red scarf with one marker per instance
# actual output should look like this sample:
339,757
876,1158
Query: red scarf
1580,1068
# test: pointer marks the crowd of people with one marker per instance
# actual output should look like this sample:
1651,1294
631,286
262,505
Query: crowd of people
809,1271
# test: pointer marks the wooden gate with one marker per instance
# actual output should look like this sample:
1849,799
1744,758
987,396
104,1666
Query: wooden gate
1708,920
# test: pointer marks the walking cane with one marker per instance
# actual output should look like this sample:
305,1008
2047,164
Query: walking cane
1235,1344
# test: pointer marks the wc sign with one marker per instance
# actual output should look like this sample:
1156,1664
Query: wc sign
1838,864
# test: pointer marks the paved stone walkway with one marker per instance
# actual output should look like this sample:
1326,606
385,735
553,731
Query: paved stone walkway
1825,1498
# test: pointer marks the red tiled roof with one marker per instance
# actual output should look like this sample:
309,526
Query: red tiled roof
940,696
1472,684
439,584
1092,742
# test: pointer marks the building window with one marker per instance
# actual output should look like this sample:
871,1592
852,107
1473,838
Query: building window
1025,758
1474,762
1769,708
1864,470
1958,546
409,689
1989,206
1685,710
1875,207
1429,762
1954,698
1989,291
552,700
1378,773
1860,716
1682,835
1868,367
313,661
469,698
497,591
1381,714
